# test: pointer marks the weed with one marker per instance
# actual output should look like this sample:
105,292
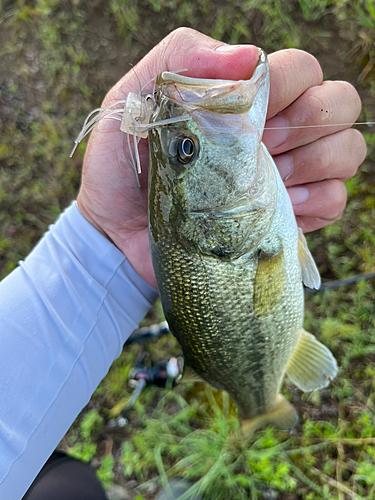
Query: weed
105,472
83,451
85,442
314,10
59,59
358,21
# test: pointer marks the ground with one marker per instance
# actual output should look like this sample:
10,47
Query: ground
57,61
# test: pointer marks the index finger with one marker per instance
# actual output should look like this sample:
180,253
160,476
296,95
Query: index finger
200,55
292,72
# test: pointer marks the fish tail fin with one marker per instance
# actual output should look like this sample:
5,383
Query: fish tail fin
312,365
282,415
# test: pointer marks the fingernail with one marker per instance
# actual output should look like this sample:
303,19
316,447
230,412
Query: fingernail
226,49
298,195
284,164
273,138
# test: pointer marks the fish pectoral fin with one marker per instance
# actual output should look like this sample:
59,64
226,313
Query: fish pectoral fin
309,272
312,365
269,282
282,415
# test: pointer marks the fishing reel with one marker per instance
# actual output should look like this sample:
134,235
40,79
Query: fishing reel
162,373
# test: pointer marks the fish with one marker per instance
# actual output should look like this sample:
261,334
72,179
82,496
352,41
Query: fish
229,259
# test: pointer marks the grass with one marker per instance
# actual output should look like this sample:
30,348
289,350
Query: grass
58,61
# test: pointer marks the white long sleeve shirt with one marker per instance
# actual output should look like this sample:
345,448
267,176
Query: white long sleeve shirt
65,314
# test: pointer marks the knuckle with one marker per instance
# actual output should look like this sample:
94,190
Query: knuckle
178,35
180,38
180,32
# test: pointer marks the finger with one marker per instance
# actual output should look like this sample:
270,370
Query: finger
308,224
324,200
292,72
202,56
335,156
328,104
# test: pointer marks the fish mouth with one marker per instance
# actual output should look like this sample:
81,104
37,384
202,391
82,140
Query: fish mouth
218,96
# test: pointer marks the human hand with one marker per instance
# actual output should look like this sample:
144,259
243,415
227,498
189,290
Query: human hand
313,162
319,158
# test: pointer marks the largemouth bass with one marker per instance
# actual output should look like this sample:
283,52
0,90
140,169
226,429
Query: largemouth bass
228,256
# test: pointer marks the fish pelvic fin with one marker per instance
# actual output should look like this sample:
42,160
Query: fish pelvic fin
309,272
190,375
312,365
282,415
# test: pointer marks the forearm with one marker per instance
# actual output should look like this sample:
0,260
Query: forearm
65,314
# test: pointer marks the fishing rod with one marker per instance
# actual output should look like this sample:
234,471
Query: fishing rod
146,333
328,285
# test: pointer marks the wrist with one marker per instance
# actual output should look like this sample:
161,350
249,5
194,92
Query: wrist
90,219
132,242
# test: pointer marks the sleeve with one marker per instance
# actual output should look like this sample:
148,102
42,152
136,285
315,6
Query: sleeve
65,314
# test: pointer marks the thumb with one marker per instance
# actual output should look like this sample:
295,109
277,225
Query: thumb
202,56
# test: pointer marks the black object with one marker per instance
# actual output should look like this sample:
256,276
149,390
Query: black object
159,373
145,333
65,478
336,283
156,374
141,376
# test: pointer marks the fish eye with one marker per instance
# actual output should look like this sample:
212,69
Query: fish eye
185,149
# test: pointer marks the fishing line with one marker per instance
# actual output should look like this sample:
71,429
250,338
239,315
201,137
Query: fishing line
139,81
370,124
130,160
134,115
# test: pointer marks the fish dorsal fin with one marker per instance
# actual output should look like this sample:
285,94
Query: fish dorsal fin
312,365
282,415
309,271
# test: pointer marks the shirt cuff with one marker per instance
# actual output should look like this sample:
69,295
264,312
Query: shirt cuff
101,258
